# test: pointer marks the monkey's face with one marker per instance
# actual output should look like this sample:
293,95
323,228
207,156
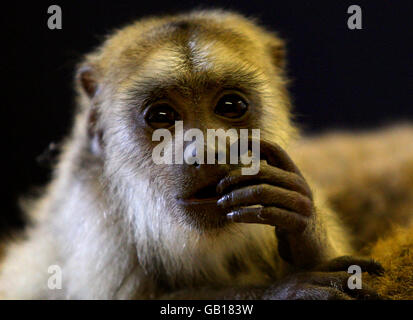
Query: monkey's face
183,71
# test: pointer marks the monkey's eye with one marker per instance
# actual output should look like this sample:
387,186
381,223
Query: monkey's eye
162,116
231,106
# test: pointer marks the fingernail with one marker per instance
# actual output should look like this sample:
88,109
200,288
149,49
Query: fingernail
221,201
233,215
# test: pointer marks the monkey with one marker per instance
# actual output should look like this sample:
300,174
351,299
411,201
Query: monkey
119,226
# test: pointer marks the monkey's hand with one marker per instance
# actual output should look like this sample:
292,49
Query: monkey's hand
279,196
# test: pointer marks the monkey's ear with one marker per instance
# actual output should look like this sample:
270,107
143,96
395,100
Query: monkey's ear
277,51
86,78
87,83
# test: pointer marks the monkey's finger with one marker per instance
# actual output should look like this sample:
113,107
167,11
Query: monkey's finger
288,220
278,157
343,263
267,195
267,174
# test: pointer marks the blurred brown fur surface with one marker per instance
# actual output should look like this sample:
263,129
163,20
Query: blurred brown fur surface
368,180
395,252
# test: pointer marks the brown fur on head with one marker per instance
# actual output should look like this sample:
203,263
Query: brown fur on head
190,52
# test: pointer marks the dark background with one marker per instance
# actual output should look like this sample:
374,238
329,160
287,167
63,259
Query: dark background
348,79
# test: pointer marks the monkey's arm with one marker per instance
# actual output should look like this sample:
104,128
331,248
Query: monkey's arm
326,282
280,196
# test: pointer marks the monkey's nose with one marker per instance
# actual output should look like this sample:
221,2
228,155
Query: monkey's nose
210,154
196,164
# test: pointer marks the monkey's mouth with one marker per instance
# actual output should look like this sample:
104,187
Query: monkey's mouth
204,195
